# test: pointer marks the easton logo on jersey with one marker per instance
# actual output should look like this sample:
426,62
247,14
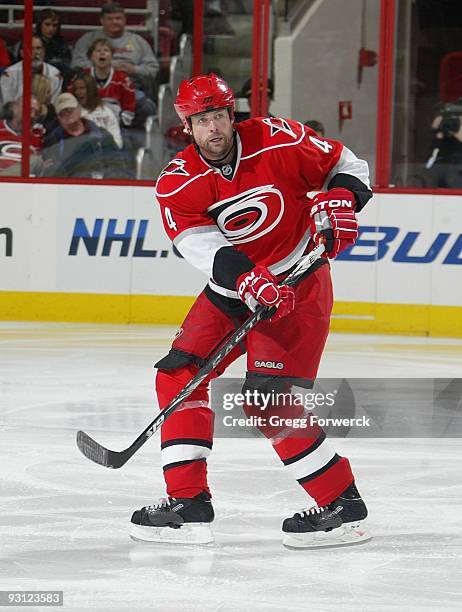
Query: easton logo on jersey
176,166
249,215
279,125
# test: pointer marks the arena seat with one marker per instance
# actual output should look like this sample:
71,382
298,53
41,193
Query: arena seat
451,77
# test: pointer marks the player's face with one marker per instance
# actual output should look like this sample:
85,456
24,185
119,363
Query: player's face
213,133
113,24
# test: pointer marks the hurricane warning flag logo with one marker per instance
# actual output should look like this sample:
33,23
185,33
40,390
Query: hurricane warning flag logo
176,166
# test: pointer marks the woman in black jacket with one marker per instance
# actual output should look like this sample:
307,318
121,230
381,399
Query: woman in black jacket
57,51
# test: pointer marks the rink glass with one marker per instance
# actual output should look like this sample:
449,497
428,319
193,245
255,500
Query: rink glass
320,68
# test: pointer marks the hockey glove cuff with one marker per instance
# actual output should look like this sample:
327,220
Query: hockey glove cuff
333,220
259,286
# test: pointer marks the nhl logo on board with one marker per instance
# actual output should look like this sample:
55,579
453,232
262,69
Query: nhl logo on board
227,169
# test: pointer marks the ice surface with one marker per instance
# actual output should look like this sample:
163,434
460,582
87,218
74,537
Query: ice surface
64,521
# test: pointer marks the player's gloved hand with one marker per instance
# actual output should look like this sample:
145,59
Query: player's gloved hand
333,220
259,286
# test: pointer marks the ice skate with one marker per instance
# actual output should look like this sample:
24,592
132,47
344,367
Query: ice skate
337,524
180,521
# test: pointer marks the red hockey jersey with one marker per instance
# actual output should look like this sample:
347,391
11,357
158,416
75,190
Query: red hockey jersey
118,92
11,144
261,208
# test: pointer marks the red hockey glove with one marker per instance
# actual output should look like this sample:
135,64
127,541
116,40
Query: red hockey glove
333,220
259,286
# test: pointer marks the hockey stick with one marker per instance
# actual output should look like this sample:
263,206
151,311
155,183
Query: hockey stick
116,459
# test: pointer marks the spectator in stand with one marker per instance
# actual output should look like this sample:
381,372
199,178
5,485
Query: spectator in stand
443,168
177,139
316,126
215,21
57,51
4,56
215,17
132,53
246,92
41,89
79,148
114,86
11,79
11,139
94,108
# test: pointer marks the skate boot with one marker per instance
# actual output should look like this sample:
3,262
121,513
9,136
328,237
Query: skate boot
182,521
337,524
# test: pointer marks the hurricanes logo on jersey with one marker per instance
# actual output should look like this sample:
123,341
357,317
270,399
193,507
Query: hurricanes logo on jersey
176,166
249,215
10,150
279,125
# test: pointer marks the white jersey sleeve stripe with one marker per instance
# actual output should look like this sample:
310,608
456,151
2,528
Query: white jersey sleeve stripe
222,290
198,245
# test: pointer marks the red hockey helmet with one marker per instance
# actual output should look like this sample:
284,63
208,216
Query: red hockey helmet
203,93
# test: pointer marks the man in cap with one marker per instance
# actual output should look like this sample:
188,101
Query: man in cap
79,148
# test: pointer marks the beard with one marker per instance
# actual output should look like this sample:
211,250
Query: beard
224,150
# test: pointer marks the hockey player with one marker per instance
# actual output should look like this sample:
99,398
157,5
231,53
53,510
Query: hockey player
235,205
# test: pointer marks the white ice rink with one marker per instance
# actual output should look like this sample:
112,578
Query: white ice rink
64,521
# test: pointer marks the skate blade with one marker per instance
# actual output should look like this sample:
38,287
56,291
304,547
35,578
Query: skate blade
192,533
346,535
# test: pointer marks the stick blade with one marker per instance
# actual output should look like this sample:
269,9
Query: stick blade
97,453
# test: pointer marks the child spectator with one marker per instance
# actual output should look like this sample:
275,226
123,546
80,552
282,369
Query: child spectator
114,86
85,90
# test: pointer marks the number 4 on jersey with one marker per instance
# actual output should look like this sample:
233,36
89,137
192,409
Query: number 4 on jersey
170,222
321,144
